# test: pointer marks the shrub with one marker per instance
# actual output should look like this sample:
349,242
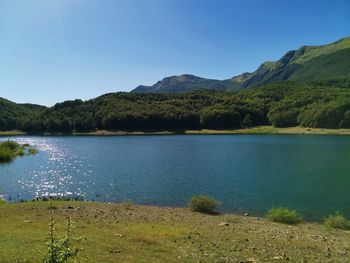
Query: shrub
284,215
61,249
203,204
32,151
337,221
9,150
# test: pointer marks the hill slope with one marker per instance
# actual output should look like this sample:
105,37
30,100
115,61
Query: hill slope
11,112
283,104
308,63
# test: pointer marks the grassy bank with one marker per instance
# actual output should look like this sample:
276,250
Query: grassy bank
253,130
274,130
124,233
12,133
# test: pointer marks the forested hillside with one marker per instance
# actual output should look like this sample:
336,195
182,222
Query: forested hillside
11,113
282,104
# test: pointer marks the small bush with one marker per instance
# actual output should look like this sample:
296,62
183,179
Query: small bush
284,215
9,150
32,151
203,204
337,221
61,249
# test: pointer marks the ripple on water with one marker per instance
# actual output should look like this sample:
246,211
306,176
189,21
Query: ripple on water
53,175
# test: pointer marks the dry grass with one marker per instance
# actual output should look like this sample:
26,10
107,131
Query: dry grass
114,233
274,130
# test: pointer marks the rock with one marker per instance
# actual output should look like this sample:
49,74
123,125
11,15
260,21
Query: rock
115,251
246,214
277,257
251,260
342,253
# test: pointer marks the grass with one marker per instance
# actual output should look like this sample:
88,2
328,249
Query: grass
274,130
337,221
12,133
9,150
32,151
252,130
112,233
317,51
284,215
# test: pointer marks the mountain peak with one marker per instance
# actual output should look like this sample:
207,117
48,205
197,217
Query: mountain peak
184,83
307,63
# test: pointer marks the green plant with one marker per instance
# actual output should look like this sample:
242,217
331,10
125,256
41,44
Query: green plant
9,150
61,249
284,215
337,221
203,204
32,151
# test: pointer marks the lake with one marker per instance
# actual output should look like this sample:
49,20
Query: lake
247,173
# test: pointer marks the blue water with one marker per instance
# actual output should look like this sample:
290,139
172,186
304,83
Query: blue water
247,173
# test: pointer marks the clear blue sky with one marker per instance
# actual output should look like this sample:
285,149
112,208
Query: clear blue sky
53,50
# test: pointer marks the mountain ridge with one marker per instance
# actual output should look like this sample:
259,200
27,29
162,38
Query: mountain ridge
297,65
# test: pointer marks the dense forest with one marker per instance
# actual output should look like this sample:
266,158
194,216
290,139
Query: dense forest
282,104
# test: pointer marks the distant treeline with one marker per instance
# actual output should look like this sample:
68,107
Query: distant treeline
282,104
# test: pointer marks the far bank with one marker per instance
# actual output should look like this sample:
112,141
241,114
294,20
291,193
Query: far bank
253,130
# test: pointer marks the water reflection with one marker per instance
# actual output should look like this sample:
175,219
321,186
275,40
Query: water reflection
48,174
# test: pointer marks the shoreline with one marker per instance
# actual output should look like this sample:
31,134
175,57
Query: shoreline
254,130
134,233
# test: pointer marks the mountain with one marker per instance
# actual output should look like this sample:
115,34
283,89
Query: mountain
308,63
185,83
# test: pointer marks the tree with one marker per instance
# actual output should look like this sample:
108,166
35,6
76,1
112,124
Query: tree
247,121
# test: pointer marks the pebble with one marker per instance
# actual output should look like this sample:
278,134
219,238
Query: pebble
277,257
